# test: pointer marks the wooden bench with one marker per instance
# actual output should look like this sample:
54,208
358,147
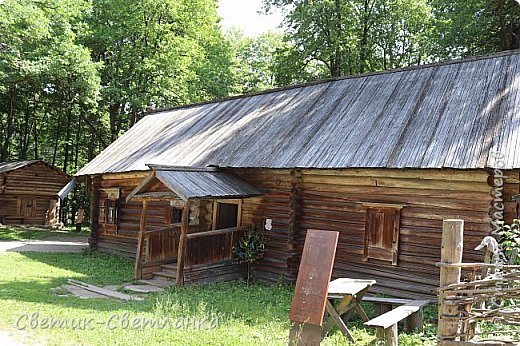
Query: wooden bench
386,324
382,305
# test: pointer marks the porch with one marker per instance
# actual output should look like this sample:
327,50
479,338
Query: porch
188,252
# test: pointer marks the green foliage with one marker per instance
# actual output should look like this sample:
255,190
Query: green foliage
156,54
336,38
255,61
508,236
250,247
475,27
332,38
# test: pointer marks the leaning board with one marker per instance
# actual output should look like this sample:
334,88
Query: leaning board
310,294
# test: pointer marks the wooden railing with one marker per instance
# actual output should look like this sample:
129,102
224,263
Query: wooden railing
211,246
161,246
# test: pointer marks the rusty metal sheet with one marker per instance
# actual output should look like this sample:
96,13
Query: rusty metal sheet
310,294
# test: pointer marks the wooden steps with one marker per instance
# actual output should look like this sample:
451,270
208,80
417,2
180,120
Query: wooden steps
203,273
162,283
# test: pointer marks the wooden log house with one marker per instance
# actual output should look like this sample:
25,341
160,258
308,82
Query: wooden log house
382,158
29,192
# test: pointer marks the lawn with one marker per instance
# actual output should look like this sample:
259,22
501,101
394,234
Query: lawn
26,233
254,314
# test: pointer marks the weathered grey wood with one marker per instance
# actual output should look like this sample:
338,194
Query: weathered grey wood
396,315
451,252
149,178
181,257
103,291
213,232
415,322
140,243
433,117
388,336
338,321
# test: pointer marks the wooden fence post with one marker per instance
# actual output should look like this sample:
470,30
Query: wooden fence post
451,252
181,256
138,274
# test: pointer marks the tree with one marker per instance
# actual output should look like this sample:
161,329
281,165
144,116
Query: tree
475,27
254,60
332,38
40,58
156,54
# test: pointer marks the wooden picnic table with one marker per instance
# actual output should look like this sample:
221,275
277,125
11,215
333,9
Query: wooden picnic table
349,292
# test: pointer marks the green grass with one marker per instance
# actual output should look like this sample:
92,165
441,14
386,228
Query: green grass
26,233
254,314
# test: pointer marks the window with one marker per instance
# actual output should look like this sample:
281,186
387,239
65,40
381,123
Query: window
102,211
226,213
382,231
108,210
173,213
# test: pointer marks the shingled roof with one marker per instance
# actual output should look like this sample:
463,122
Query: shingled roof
448,115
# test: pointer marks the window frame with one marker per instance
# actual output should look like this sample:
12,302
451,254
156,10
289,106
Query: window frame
108,210
216,203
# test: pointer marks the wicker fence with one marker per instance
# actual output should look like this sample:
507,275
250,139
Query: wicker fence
479,303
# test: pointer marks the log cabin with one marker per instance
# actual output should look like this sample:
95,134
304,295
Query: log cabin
29,192
382,158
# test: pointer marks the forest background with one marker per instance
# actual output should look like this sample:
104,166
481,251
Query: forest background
76,74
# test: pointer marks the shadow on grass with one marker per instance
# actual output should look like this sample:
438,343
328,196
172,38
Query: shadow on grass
34,275
37,233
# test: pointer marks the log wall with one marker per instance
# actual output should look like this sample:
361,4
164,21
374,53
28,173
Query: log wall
332,200
297,200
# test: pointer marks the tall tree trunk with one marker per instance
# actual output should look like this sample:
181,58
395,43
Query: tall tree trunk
76,144
10,124
135,115
66,156
113,111
35,128
337,61
24,142
363,43
505,43
35,138
56,140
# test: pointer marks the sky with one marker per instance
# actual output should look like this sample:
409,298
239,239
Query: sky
243,14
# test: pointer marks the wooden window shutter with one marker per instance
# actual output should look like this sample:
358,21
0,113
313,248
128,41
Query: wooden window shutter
102,211
382,232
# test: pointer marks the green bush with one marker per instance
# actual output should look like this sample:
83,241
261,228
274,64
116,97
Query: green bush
250,248
508,236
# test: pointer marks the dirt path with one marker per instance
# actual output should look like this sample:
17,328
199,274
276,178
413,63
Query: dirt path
63,244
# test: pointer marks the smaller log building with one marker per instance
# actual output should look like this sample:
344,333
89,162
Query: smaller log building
29,192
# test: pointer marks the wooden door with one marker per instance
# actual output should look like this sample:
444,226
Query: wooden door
27,207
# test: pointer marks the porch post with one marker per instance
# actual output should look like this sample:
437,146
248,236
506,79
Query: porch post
182,243
140,243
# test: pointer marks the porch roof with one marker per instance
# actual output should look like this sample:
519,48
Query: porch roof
201,183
